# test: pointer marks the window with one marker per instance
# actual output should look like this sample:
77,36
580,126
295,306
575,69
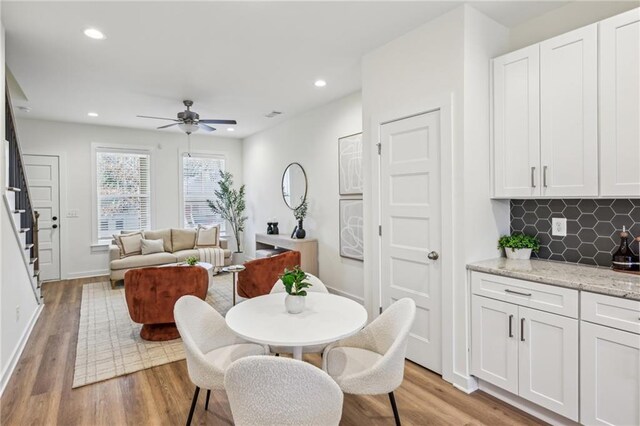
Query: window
123,191
200,176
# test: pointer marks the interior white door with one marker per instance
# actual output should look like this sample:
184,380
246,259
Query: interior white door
569,113
516,123
494,353
620,105
43,178
548,355
609,376
411,237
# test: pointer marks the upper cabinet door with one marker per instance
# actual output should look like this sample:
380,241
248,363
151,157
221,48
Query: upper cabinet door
620,105
516,100
569,113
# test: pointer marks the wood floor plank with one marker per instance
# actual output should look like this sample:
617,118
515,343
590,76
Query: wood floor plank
39,392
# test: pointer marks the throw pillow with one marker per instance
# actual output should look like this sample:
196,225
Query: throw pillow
183,239
152,246
163,234
129,244
208,237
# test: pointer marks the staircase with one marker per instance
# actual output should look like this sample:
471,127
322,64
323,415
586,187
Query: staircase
17,201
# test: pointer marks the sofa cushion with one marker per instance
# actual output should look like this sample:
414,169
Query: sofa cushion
142,261
183,239
129,244
152,246
208,237
182,255
164,234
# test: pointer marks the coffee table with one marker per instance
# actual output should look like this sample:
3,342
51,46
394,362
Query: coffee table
326,318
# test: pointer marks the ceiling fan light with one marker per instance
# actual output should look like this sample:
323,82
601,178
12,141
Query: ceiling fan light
188,127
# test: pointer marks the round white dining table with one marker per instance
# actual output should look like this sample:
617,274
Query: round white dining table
326,318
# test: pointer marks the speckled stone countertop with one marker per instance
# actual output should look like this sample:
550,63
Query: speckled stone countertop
569,275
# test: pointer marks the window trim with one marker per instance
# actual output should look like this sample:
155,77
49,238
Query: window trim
198,154
128,149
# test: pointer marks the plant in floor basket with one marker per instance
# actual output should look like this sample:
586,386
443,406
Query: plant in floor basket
519,246
191,260
300,213
230,205
295,285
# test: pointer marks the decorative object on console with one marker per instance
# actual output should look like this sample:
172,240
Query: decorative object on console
350,164
272,228
300,213
519,246
351,229
295,282
230,205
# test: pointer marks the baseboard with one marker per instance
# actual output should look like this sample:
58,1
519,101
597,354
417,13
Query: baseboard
347,295
86,274
17,352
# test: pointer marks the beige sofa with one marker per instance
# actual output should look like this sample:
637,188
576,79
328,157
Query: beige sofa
177,247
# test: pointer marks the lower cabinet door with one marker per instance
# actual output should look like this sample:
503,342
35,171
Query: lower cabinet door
494,353
610,376
548,354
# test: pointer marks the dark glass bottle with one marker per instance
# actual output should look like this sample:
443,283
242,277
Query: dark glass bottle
623,258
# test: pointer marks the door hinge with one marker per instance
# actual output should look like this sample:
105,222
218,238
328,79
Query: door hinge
380,230
379,145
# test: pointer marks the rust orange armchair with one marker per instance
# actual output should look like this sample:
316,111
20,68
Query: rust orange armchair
261,274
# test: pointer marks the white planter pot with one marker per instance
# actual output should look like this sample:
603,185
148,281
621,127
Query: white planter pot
518,254
294,304
237,258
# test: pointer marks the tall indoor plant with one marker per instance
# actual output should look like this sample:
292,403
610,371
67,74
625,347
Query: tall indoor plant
230,205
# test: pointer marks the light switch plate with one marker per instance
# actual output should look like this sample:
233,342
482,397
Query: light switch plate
559,227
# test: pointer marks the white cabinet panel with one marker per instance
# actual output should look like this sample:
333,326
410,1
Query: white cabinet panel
548,354
494,356
516,100
620,105
569,114
610,376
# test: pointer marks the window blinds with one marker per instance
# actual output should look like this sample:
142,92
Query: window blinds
200,176
123,192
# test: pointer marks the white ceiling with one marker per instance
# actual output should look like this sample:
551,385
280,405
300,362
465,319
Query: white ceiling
235,60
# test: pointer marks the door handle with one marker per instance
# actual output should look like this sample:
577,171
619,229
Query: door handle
433,255
522,329
533,181
544,176
54,226
510,325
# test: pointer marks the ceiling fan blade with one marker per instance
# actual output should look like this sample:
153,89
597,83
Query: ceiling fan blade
205,127
156,118
218,121
168,125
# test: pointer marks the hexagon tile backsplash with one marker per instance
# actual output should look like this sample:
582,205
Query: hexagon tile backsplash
593,227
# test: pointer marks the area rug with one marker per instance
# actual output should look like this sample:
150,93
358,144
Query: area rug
109,342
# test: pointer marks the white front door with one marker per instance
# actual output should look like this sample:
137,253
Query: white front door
410,219
43,178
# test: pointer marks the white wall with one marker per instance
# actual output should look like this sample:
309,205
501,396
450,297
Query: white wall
310,139
72,142
563,19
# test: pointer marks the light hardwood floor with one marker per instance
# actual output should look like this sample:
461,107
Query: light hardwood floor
39,393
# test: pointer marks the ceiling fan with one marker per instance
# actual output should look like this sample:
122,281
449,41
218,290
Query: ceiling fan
189,121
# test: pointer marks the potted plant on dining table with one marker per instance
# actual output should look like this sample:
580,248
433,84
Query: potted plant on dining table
295,285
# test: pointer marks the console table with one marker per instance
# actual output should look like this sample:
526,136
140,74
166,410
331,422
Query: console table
308,248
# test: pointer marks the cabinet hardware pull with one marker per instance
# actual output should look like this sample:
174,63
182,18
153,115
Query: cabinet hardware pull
510,325
544,176
533,181
506,290
522,329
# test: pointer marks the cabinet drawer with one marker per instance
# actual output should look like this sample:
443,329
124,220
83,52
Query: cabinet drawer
557,300
611,311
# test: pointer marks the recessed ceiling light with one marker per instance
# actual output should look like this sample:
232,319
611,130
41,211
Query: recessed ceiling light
92,114
230,129
94,34
320,83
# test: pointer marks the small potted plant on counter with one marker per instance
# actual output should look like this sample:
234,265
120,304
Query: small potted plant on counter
295,285
519,246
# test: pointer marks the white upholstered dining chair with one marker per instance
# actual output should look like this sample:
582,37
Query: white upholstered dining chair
371,362
210,346
269,391
317,286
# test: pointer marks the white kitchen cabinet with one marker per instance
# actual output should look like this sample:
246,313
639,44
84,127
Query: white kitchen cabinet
516,130
610,376
620,105
548,361
569,114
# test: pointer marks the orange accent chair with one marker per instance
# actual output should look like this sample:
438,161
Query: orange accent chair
260,275
151,294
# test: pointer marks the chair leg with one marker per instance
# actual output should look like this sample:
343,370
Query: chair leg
206,404
395,408
277,354
193,405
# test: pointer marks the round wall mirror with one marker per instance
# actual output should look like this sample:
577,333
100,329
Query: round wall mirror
294,185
